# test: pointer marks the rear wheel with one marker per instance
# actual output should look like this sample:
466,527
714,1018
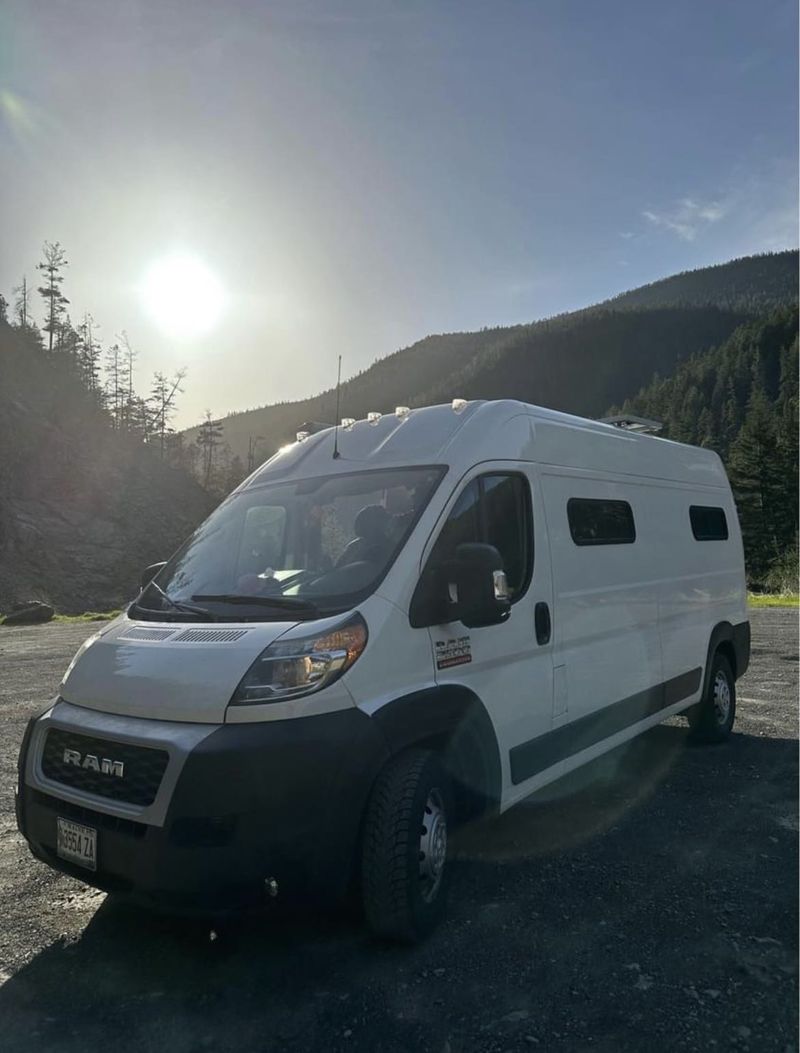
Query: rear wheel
404,853
711,720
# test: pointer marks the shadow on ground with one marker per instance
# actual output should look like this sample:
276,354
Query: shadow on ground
559,910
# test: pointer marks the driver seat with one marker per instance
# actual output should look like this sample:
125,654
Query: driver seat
371,543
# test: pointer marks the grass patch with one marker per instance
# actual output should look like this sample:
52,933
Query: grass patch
87,616
765,599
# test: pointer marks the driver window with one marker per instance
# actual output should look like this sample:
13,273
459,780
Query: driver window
494,509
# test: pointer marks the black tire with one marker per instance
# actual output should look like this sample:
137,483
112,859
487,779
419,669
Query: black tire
711,720
404,852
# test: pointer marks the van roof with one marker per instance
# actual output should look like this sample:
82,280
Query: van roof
466,433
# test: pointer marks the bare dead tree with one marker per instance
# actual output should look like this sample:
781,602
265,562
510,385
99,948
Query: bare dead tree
163,398
22,303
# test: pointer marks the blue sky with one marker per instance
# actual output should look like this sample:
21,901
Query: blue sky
358,175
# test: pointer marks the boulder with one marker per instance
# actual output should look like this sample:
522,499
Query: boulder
32,613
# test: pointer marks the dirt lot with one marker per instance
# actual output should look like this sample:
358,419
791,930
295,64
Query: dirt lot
650,904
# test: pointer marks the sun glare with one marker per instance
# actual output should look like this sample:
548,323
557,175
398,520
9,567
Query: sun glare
183,297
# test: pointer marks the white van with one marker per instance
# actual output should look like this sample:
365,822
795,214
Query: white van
389,628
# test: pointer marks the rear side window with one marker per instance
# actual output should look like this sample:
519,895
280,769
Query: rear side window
708,523
600,522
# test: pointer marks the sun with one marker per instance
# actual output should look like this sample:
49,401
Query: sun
183,296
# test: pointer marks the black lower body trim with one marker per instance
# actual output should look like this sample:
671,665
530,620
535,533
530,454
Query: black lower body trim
530,758
741,647
278,800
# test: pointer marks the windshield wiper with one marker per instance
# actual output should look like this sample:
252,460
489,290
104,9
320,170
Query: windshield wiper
288,603
179,605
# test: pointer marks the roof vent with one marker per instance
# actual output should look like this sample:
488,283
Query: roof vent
347,423
401,412
459,405
627,422
373,418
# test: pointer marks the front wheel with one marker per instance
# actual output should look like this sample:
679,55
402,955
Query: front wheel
404,853
711,720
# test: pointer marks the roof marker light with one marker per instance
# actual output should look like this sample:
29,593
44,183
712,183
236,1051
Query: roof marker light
303,435
373,418
347,423
459,405
401,412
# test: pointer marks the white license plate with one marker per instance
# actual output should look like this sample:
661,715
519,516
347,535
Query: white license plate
77,843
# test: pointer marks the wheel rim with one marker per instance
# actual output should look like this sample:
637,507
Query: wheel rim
432,846
722,698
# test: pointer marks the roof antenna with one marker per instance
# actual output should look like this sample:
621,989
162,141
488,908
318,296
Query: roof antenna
336,425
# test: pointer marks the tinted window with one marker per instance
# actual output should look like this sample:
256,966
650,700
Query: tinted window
493,509
506,524
462,525
593,522
708,524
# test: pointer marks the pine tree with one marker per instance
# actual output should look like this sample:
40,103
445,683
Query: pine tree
209,439
757,481
113,387
54,261
68,341
129,409
234,473
89,355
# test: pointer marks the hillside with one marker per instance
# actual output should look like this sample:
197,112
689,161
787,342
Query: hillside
580,362
754,284
83,509
741,399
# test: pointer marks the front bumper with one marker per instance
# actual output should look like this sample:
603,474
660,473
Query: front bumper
238,806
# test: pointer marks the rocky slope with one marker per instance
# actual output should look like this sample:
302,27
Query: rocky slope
83,509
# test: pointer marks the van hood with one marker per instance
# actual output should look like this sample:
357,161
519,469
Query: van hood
168,670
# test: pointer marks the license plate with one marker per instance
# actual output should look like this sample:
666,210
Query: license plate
77,843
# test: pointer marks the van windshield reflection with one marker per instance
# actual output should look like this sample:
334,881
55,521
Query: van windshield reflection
292,550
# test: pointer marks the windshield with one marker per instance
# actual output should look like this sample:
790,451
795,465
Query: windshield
295,549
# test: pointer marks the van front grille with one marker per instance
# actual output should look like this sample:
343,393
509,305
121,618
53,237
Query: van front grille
116,770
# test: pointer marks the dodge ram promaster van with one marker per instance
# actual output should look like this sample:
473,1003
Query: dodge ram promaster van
389,628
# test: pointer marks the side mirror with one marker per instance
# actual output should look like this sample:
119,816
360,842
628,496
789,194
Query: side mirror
476,585
150,572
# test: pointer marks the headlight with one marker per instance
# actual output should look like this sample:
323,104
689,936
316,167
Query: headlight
289,668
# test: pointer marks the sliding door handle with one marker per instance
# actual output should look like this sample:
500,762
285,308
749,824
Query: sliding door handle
541,619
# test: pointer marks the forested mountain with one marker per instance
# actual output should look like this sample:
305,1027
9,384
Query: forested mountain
740,399
754,284
84,506
94,483
725,338
580,362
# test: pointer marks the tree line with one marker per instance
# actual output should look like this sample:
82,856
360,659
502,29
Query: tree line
107,372
741,399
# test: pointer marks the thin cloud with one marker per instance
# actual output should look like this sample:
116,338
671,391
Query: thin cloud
688,217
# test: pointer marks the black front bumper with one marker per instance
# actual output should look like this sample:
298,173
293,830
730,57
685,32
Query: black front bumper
254,803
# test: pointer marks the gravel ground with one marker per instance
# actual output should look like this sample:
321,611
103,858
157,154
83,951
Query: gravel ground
649,903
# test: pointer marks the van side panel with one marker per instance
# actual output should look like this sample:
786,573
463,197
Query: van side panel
605,607
701,585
